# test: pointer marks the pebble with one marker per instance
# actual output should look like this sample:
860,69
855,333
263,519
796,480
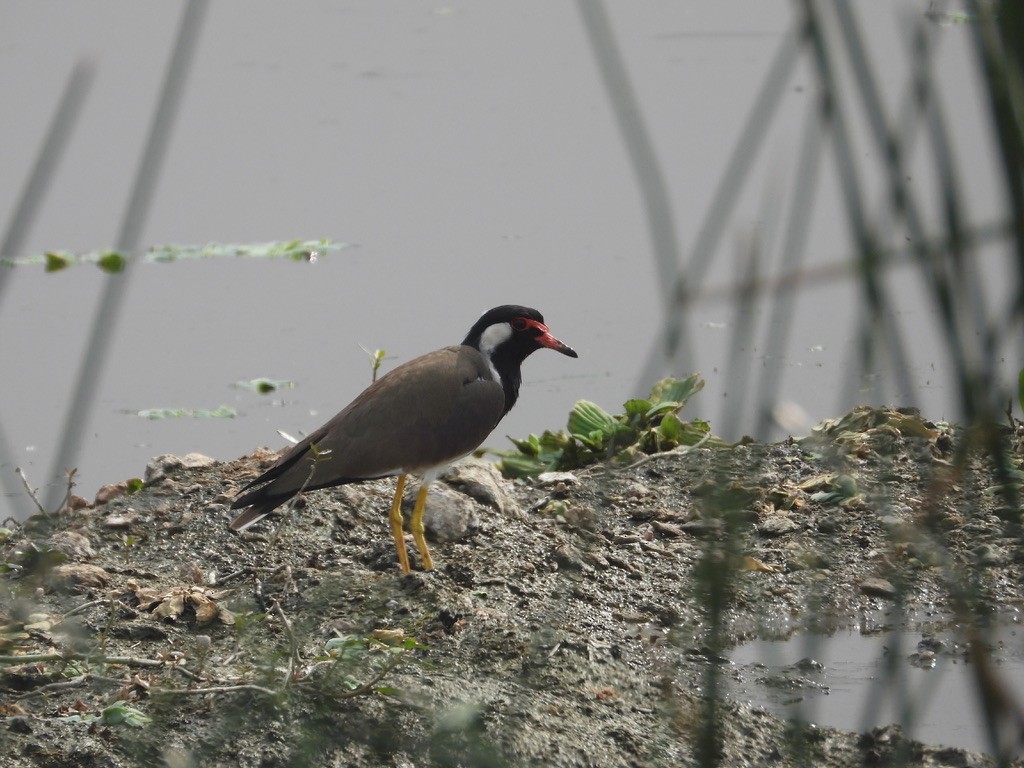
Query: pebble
878,587
667,529
482,481
72,545
165,464
701,528
449,515
777,525
111,491
545,479
77,577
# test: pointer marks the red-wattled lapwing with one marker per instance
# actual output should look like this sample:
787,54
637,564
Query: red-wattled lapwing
417,419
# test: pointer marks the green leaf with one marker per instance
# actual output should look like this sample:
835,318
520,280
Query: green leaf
112,261
553,441
825,496
671,428
348,648
595,440
677,390
845,486
587,418
518,465
529,447
696,430
56,261
636,408
666,407
134,485
120,713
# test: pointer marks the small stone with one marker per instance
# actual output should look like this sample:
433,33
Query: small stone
828,525
636,491
877,587
110,492
701,528
76,502
72,545
121,521
666,529
191,573
482,481
77,577
922,660
449,515
545,479
988,556
161,466
567,557
777,525
19,725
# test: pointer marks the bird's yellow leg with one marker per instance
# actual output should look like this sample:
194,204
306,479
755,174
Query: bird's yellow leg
396,524
416,526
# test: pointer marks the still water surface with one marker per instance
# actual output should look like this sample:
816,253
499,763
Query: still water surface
859,681
470,155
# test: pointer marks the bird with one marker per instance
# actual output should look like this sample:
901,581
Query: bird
415,420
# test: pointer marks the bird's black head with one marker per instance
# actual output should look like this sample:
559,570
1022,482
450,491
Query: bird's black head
506,336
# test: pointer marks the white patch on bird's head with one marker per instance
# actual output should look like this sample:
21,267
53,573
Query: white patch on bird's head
492,338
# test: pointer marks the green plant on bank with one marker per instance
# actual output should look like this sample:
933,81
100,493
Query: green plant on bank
118,713
32,562
349,666
360,664
376,358
645,426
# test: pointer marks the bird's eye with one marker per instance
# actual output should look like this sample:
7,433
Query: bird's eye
519,324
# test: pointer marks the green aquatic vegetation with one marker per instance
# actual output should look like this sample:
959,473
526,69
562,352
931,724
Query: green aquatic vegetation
645,426
155,414
264,385
115,261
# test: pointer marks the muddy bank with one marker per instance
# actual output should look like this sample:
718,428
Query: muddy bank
572,620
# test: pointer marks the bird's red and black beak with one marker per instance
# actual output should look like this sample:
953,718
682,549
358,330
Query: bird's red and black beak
545,339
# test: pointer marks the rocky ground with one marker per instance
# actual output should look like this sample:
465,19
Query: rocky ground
573,620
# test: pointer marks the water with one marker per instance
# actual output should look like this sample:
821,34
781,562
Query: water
925,682
470,155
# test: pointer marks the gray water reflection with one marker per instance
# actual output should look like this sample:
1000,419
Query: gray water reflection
923,681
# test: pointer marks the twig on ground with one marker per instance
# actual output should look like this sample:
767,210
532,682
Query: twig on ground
85,606
367,687
212,689
30,491
74,682
127,661
35,499
1014,423
293,655
677,451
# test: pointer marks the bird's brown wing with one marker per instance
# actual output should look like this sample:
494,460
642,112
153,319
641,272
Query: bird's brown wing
430,410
